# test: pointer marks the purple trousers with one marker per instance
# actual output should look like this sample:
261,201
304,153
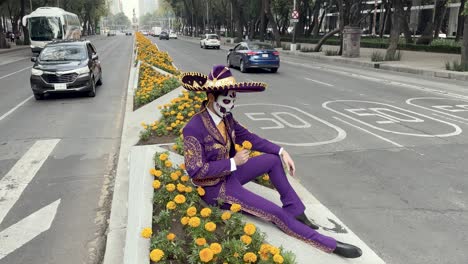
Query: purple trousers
231,191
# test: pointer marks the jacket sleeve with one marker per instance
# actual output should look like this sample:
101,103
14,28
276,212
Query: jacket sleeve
258,143
196,163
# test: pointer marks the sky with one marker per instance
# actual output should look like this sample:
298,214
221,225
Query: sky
128,6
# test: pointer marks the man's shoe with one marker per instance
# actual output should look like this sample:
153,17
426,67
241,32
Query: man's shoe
303,219
347,250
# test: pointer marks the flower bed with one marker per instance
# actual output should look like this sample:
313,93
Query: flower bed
185,231
149,53
152,85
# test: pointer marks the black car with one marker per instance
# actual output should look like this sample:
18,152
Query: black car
66,66
164,35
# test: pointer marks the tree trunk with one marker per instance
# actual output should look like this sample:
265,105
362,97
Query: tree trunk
461,19
25,29
262,22
464,54
439,16
237,11
272,20
3,42
385,18
396,28
324,38
405,22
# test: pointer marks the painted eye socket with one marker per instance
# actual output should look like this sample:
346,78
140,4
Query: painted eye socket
233,95
226,101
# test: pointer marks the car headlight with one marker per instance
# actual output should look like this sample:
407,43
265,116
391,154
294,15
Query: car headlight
83,70
36,72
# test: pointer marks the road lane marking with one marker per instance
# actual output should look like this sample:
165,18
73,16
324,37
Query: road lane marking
319,82
410,102
14,108
15,181
367,131
27,229
15,72
451,119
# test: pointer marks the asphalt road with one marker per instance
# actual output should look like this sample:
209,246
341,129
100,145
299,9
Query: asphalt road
57,159
386,152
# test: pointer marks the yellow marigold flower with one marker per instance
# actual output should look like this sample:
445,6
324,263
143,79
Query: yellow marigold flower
278,258
174,176
216,247
247,145
249,229
178,172
255,154
156,255
184,220
180,187
192,211
205,212
171,205
264,248
182,166
180,199
210,226
152,171
206,255
174,147
236,255
188,189
201,191
238,147
200,241
163,157
250,257
184,178
146,232
194,221
143,124
170,187
156,184
226,215
274,250
171,236
235,207
168,164
266,177
246,239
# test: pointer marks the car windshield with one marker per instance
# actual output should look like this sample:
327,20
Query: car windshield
45,28
63,53
260,46
213,37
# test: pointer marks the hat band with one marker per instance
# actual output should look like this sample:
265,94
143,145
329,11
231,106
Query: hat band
223,82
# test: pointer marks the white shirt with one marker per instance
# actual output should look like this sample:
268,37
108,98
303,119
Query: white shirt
216,119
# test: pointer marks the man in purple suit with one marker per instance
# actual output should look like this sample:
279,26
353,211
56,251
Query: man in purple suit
212,161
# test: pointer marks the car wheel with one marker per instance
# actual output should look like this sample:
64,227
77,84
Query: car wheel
242,66
92,93
273,70
204,46
38,96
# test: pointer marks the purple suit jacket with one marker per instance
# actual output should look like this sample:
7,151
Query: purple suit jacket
207,154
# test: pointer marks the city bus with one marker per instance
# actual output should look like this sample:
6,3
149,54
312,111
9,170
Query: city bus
46,24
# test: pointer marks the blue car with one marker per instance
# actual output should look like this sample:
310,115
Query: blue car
247,55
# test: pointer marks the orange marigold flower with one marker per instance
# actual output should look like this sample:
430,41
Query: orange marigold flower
249,229
174,176
235,207
182,166
171,205
250,257
206,255
156,184
226,215
171,236
180,199
168,163
247,145
266,177
163,157
180,187
274,250
184,178
194,221
192,211
200,241
210,226
156,255
152,171
201,191
238,147
184,220
264,248
188,189
170,187
216,247
278,258
205,212
146,232
246,239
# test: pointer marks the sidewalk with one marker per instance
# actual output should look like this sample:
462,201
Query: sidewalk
416,62
13,47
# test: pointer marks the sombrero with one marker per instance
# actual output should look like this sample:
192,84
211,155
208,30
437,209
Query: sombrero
220,79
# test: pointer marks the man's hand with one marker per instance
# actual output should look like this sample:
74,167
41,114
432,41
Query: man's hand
289,162
241,157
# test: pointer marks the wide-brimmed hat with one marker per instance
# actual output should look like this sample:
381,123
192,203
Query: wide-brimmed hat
220,79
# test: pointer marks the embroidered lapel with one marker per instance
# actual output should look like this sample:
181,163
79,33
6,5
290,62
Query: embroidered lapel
211,127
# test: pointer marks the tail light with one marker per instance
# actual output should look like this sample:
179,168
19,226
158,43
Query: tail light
251,53
276,53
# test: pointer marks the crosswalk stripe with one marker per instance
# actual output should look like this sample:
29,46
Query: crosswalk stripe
15,181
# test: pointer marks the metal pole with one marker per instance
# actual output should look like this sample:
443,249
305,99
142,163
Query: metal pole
207,17
30,5
232,33
375,18
294,26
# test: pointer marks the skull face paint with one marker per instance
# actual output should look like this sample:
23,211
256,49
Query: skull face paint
224,103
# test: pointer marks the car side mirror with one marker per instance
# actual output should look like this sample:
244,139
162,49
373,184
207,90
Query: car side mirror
33,59
95,57
230,50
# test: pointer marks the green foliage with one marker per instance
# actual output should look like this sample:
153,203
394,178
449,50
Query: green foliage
331,52
456,66
119,19
377,56
395,57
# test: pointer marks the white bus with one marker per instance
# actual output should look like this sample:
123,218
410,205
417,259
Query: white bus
51,23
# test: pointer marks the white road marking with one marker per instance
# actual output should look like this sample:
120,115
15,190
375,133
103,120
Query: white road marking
319,82
367,131
15,72
15,181
451,119
27,229
14,108
410,102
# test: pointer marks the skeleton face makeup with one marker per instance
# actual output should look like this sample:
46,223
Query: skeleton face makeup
224,103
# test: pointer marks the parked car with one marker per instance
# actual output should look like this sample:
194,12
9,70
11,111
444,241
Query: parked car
164,35
66,66
111,33
210,41
172,35
253,55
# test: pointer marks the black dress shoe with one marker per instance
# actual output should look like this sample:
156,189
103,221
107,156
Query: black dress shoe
303,219
347,250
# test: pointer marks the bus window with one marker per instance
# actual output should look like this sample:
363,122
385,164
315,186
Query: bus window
45,28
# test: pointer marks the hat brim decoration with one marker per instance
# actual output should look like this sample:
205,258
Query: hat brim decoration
219,80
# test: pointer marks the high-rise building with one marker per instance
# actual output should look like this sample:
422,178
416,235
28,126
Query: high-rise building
147,6
115,6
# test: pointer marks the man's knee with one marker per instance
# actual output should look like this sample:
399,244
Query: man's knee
273,159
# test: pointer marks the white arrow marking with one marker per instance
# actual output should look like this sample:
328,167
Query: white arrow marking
27,229
16,180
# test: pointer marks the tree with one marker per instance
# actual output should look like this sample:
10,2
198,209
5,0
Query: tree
461,19
464,54
399,16
3,42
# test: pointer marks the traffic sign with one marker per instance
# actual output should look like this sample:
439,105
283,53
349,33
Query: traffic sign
294,20
295,14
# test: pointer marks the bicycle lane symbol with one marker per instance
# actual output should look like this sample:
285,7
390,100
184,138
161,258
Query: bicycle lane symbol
392,119
299,125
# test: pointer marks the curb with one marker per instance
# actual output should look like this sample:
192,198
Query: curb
3,51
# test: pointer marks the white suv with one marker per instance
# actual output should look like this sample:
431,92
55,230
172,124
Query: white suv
210,41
